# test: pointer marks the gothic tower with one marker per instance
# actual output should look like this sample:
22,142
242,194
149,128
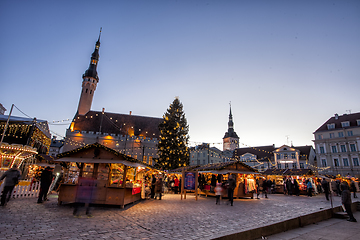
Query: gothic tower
90,80
231,139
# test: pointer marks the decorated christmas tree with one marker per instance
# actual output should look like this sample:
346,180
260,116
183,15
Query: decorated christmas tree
173,151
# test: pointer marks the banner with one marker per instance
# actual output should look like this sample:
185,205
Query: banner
189,183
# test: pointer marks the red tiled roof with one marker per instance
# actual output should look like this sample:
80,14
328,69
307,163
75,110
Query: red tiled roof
343,118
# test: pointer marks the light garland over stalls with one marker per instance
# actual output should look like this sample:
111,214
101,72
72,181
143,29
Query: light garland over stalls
14,154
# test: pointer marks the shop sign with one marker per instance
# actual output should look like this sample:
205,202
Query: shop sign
189,183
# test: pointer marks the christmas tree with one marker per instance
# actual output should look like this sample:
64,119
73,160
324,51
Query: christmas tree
173,151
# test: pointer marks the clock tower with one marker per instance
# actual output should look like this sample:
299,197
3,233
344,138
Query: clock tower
231,139
90,81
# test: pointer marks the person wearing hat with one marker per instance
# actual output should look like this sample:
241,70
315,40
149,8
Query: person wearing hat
12,178
45,182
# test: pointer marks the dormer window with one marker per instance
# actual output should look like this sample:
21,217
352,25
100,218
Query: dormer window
331,126
345,124
358,122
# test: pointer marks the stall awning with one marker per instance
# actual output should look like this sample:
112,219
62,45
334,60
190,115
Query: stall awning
288,172
227,167
227,171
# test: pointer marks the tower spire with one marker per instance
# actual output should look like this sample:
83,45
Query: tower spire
90,81
231,139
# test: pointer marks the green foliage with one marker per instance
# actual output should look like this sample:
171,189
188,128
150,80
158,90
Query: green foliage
173,151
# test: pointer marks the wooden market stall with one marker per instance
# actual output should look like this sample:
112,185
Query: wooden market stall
219,172
116,178
278,176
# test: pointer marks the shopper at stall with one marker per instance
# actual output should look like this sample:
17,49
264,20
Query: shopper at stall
45,182
309,188
231,186
212,183
12,177
353,188
346,201
158,188
176,185
326,188
296,187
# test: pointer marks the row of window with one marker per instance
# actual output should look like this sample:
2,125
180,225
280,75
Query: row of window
293,165
334,148
343,124
340,134
345,162
285,155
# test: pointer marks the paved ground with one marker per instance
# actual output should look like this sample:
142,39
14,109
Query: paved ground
332,229
170,218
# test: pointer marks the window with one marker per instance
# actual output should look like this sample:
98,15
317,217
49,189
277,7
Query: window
352,147
349,133
286,165
356,162
203,154
279,165
320,136
331,126
302,165
341,134
322,150
144,159
278,155
343,148
86,90
345,124
285,156
336,162
346,162
358,122
293,155
332,135
323,162
333,148
294,165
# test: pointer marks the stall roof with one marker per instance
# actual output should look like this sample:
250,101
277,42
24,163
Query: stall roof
288,172
97,153
187,168
227,167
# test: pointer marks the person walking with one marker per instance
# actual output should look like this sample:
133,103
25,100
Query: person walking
158,188
218,191
45,182
346,201
230,187
326,188
265,187
12,177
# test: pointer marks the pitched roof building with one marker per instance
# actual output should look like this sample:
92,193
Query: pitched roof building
337,145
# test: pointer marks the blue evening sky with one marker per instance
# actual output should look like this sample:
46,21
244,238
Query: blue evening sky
286,66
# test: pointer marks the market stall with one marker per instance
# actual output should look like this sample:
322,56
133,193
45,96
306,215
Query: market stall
279,177
111,177
211,174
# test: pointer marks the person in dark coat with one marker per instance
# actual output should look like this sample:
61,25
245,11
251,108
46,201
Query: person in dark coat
12,177
326,188
230,187
296,187
212,183
158,188
153,181
346,200
45,182
353,188
265,187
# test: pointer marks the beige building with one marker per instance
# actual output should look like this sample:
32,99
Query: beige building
337,144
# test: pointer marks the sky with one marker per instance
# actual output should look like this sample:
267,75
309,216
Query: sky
285,66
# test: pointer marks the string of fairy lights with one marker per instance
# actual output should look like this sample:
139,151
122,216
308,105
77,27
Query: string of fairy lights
21,130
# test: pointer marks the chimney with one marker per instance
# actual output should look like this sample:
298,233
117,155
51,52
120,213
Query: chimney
336,116
103,110
130,112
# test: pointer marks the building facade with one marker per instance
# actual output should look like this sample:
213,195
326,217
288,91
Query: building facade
337,144
204,154
260,158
